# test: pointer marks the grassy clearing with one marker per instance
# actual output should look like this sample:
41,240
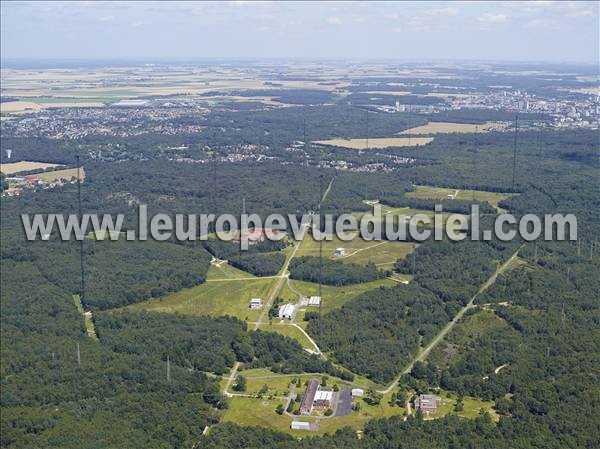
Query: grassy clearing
377,143
256,412
357,250
447,127
261,412
472,407
289,331
333,297
212,298
87,318
441,193
401,212
225,271
16,167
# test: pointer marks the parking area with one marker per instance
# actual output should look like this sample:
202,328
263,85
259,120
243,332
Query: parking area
344,403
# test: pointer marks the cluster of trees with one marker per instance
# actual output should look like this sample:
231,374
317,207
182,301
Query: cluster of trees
454,270
376,334
307,268
285,355
146,268
259,259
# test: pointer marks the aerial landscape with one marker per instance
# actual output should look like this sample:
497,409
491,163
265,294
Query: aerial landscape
250,225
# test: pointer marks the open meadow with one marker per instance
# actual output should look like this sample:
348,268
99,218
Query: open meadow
11,168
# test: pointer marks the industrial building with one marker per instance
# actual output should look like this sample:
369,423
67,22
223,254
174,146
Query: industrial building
323,398
300,425
314,301
286,311
428,403
309,397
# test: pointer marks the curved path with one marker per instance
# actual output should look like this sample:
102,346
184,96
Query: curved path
440,336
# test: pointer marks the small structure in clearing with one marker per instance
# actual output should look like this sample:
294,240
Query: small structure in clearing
428,403
255,303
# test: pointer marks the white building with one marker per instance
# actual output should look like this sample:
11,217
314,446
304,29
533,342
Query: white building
300,425
255,303
286,311
358,392
340,252
314,301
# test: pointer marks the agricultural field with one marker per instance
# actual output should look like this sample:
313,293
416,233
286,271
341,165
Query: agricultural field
376,143
16,167
447,127
441,193
68,174
35,105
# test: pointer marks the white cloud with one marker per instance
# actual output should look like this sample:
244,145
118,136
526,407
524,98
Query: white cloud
492,18
334,20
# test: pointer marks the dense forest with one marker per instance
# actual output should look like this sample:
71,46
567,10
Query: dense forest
331,272
377,333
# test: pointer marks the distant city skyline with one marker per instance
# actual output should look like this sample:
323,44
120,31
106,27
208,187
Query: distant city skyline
540,31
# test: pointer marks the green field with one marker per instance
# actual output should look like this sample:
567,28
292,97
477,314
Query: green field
358,251
288,330
400,212
471,408
333,297
218,298
441,193
225,271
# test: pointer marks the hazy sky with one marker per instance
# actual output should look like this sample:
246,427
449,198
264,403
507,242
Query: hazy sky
528,31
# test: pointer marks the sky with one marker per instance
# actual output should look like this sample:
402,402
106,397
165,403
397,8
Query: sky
535,31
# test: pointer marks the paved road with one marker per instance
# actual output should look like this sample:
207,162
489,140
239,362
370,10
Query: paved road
265,309
439,337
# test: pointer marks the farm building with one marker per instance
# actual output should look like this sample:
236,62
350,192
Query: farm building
300,425
314,301
255,303
428,403
309,397
286,311
340,252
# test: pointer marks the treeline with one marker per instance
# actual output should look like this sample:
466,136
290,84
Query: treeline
456,206
377,333
307,268
259,259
